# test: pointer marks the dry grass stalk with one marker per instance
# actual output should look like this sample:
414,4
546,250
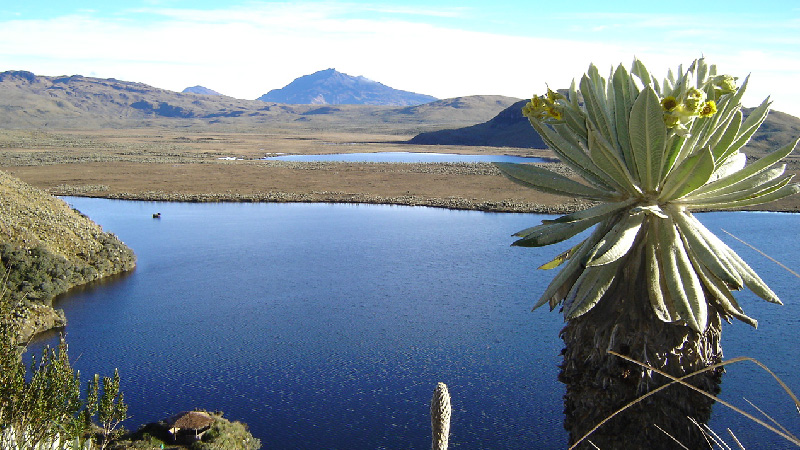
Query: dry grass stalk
440,417
780,432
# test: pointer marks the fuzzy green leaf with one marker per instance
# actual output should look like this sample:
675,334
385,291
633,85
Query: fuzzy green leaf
722,295
609,162
747,188
625,94
753,281
547,181
567,276
617,242
560,259
659,296
572,155
641,72
747,274
705,251
648,138
590,287
682,281
692,173
551,233
783,189
722,145
750,125
596,109
751,170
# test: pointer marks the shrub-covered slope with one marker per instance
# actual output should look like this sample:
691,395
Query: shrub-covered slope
45,248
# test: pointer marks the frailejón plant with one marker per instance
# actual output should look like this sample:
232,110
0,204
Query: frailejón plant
651,153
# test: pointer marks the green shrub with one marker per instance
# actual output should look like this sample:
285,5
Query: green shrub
226,435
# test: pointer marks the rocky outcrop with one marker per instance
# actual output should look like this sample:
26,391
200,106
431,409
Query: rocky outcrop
36,318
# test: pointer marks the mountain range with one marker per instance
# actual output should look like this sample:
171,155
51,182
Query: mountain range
33,101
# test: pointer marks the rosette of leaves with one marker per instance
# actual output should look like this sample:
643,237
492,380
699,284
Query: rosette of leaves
650,153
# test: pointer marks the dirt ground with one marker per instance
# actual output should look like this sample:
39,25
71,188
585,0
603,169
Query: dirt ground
174,165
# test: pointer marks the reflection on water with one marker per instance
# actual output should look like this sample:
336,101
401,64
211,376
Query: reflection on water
323,326
407,157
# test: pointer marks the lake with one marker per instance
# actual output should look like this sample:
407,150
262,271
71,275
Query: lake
407,157
329,325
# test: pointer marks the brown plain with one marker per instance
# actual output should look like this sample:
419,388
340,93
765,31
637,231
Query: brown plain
188,165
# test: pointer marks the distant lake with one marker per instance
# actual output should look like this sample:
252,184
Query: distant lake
406,157
328,326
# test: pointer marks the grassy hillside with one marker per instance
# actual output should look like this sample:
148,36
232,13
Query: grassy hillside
29,101
45,248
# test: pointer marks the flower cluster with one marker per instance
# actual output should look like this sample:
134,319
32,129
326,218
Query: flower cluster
685,104
681,106
678,113
544,107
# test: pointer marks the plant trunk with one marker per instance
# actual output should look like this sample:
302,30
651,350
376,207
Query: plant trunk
598,383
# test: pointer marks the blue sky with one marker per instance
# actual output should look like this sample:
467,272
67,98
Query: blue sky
436,47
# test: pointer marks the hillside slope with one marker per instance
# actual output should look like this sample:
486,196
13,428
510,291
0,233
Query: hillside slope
46,248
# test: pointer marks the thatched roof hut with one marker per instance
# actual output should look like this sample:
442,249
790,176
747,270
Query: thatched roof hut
190,422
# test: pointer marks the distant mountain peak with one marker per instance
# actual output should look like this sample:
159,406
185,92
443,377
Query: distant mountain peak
331,87
200,90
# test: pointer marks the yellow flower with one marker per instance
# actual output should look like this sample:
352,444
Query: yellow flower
693,100
671,120
554,113
552,96
669,103
709,109
534,108
541,108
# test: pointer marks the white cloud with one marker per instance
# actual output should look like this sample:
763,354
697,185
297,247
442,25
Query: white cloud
246,52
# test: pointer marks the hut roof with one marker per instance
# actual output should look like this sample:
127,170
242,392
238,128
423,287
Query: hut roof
191,420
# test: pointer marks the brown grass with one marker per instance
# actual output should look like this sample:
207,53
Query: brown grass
168,164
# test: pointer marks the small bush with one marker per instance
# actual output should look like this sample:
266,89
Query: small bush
225,435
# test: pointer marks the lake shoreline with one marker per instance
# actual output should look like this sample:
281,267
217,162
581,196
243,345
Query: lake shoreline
457,186
456,204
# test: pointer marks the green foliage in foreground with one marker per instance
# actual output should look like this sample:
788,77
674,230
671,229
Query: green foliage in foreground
651,152
41,405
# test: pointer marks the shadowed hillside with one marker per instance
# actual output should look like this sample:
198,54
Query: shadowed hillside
511,129
508,129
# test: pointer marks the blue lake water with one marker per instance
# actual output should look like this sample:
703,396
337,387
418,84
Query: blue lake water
328,326
407,157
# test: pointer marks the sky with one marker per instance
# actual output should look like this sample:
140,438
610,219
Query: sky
444,48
